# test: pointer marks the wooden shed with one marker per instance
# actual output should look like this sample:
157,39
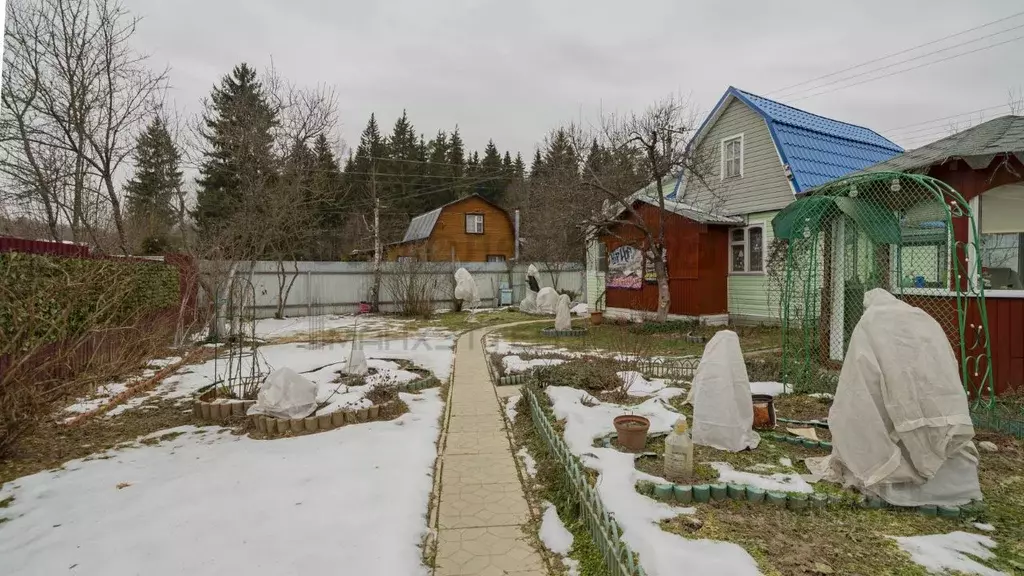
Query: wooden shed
470,229
697,250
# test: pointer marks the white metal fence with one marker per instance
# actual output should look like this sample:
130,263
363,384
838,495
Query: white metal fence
339,287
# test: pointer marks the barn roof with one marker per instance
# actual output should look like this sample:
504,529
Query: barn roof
421,226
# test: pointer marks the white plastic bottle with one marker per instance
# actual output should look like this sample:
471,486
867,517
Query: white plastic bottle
679,453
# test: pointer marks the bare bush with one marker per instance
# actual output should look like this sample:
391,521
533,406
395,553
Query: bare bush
412,285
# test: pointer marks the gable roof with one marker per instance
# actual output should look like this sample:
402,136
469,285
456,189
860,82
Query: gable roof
977,145
421,226
815,148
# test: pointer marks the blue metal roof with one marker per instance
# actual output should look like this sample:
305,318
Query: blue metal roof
816,149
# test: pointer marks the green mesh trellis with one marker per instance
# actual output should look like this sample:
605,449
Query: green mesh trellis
910,234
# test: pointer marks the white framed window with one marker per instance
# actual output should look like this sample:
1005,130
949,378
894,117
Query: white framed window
1000,219
406,258
732,157
495,257
746,250
474,223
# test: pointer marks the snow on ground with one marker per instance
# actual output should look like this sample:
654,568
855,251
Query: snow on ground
274,328
984,527
661,553
103,394
510,407
514,364
948,552
776,482
207,503
553,533
317,364
557,538
528,462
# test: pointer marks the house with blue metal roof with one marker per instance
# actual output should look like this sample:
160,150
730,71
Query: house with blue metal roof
762,154
758,155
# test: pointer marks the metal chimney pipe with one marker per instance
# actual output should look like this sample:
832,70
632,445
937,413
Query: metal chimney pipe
517,235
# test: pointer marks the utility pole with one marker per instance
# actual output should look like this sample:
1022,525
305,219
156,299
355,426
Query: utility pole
375,296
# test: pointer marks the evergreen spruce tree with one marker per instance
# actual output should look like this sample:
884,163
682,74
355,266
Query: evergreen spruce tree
330,196
537,166
491,181
442,182
518,167
154,185
457,164
237,127
559,159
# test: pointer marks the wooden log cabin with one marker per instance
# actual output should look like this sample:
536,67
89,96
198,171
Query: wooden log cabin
470,229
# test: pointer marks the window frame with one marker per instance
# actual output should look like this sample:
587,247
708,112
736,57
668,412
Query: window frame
474,214
488,258
722,161
972,256
746,250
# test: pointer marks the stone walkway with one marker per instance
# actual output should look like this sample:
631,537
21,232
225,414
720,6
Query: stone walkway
482,506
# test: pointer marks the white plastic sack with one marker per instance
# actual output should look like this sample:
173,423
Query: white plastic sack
580,309
562,319
547,298
466,288
356,365
529,303
900,424
723,410
285,394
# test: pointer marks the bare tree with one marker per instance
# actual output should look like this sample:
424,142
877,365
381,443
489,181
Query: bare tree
649,151
75,94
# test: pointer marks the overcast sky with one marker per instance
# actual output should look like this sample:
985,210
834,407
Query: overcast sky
513,70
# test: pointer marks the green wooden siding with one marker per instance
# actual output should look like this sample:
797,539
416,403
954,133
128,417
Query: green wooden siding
750,299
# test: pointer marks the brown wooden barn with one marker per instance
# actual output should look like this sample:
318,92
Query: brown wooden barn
985,164
471,229
697,247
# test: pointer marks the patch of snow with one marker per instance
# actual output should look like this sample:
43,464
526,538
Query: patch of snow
948,552
822,395
580,309
510,407
768,388
553,533
661,553
528,462
985,527
301,505
776,482
638,385
572,567
514,364
786,462
275,328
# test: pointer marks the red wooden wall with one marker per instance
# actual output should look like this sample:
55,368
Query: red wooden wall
1005,315
697,266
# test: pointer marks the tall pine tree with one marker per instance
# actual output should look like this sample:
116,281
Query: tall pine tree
153,187
491,180
237,127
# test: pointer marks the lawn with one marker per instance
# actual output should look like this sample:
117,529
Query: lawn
648,338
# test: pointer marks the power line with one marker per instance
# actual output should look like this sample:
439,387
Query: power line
908,69
934,120
904,51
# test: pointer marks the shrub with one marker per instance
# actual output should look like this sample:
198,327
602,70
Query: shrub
591,374
680,327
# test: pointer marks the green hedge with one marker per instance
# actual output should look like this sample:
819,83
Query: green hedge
50,298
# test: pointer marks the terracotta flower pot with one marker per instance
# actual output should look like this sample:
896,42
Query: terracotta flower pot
632,430
764,412
596,318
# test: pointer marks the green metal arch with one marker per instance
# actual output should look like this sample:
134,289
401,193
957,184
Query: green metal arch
805,218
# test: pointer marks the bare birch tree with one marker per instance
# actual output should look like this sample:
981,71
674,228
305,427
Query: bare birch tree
74,95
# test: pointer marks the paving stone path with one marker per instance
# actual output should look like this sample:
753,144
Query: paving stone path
482,504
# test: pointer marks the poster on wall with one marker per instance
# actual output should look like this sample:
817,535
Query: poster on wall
650,274
625,268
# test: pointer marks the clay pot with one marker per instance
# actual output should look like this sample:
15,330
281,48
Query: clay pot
764,412
632,430
311,424
337,419
596,318
324,421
